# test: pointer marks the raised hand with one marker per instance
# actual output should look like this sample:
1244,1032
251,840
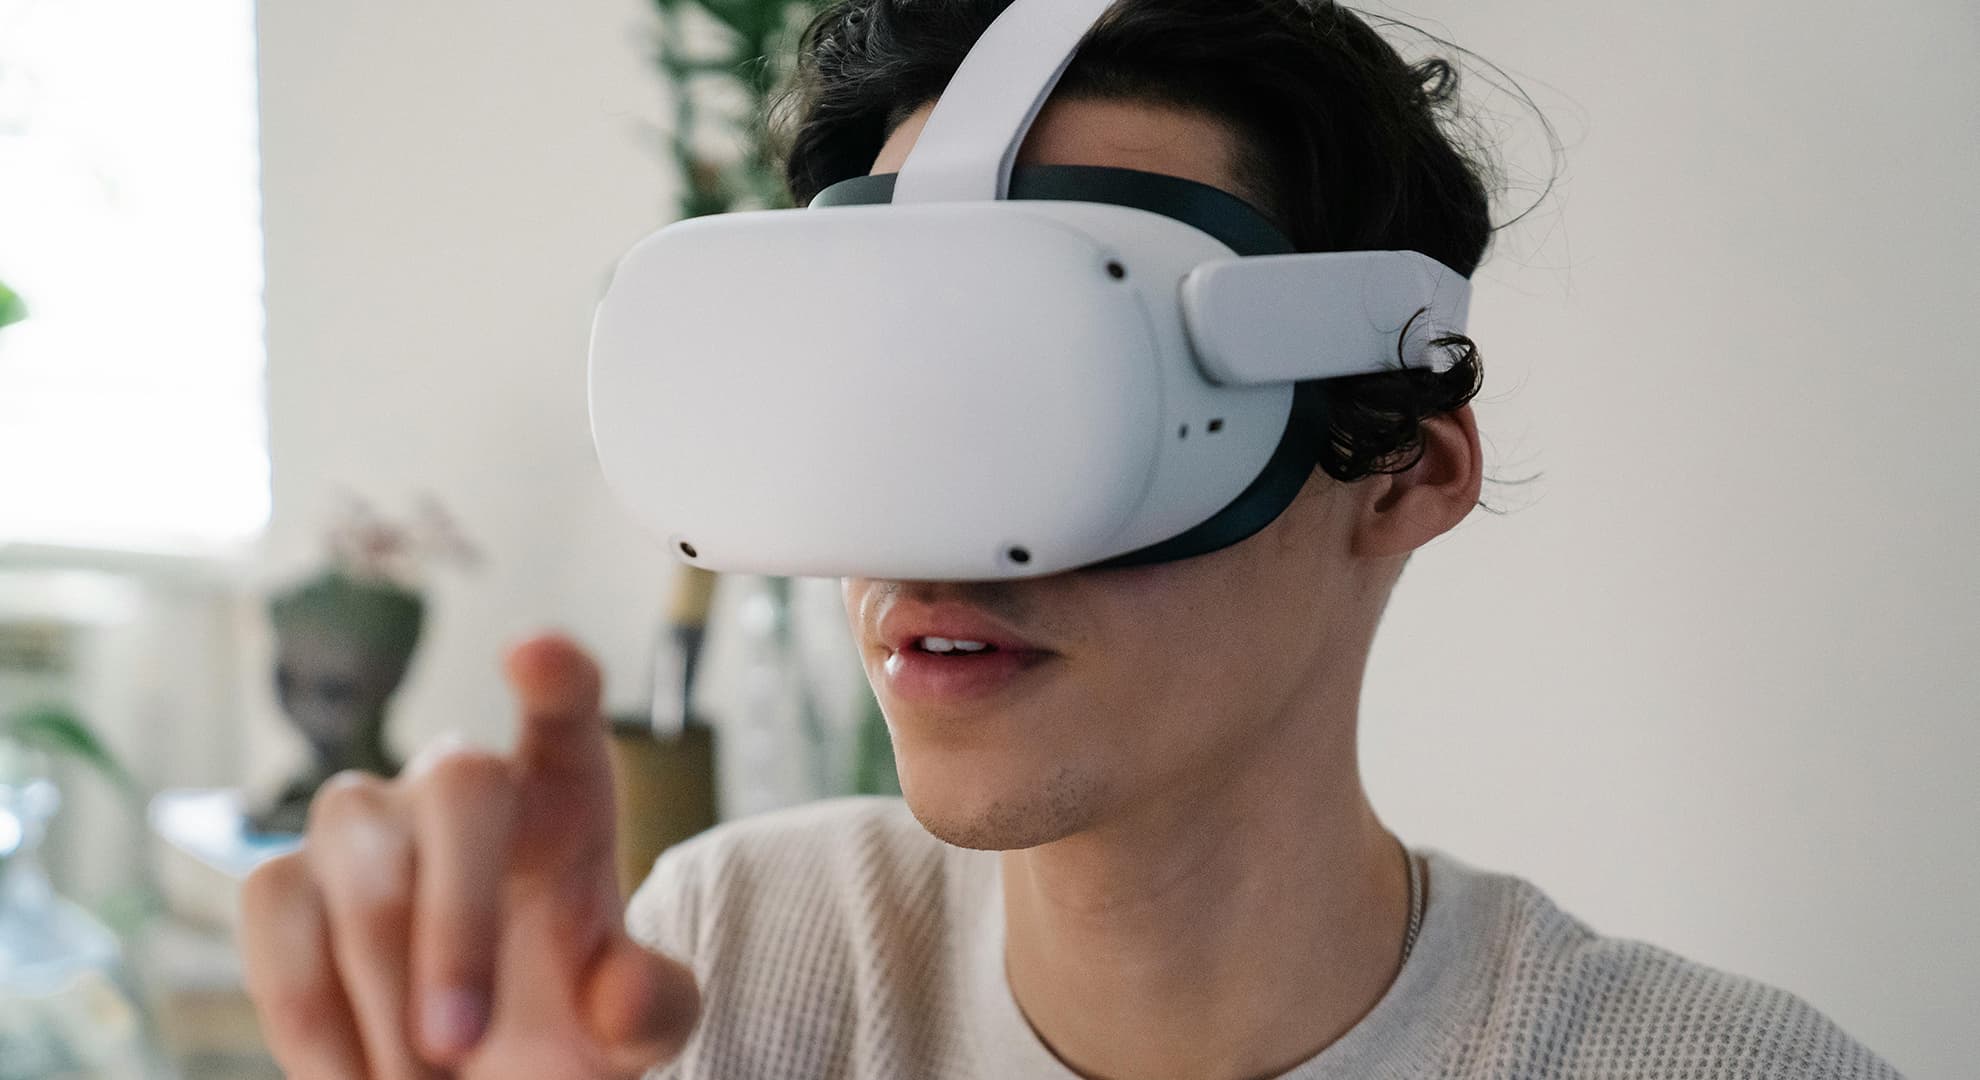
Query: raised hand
464,920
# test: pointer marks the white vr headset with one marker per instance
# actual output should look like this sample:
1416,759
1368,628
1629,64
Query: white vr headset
963,373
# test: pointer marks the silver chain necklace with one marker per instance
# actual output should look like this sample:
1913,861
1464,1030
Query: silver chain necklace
1415,903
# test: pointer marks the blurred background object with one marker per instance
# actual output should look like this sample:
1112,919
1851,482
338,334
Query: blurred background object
723,63
69,1006
344,639
1710,682
12,308
663,761
719,61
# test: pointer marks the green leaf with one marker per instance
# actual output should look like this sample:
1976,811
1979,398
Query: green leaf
755,63
737,15
59,732
12,309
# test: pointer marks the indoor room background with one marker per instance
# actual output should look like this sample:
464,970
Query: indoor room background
1708,677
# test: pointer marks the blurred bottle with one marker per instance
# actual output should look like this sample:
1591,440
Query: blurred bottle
663,763
785,753
67,1010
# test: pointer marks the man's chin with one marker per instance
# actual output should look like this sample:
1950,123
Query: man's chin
1004,818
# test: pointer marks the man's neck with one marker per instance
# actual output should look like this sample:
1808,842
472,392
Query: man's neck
1224,934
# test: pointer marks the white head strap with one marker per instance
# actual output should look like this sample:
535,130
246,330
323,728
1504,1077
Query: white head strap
972,138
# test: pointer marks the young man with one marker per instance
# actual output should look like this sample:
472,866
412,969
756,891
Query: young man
1134,840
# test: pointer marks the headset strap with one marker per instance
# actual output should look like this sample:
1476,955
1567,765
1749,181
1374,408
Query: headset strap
972,138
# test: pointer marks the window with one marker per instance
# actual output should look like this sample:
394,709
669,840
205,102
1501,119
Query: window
132,409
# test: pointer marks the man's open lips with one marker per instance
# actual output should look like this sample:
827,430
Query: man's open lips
949,628
946,653
946,678
941,646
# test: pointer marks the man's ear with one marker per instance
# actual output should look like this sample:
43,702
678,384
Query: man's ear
1401,512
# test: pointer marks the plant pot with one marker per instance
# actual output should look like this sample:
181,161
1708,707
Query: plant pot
664,792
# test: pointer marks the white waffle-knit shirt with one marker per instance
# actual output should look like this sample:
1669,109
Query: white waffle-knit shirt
841,940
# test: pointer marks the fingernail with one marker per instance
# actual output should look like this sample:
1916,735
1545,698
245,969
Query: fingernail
452,1021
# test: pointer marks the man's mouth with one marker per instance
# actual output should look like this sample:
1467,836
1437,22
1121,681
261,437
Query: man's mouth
950,632
940,646
950,671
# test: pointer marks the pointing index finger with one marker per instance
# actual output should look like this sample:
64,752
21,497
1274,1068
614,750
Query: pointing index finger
562,742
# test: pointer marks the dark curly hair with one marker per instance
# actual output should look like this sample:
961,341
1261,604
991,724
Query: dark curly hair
1345,145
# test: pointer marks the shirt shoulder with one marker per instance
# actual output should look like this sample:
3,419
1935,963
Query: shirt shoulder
1568,1001
803,926
857,848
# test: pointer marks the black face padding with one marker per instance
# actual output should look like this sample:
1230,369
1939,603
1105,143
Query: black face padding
1227,218
1208,209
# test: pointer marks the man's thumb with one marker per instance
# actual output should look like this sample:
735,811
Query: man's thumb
639,1005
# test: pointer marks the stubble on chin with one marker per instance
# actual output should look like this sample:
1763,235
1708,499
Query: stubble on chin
1063,802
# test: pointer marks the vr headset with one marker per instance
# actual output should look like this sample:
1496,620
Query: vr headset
966,372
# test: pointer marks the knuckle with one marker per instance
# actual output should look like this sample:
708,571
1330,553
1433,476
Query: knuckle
360,853
347,796
273,886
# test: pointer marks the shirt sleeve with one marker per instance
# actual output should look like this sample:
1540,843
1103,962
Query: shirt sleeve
663,914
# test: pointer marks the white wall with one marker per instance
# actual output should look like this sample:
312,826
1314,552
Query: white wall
1711,685
1714,683
448,184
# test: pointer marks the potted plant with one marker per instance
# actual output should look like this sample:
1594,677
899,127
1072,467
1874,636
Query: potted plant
721,61
345,637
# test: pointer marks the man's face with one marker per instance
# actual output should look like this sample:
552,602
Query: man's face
1142,685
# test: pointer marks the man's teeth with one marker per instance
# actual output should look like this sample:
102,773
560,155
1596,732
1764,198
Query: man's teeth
945,645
